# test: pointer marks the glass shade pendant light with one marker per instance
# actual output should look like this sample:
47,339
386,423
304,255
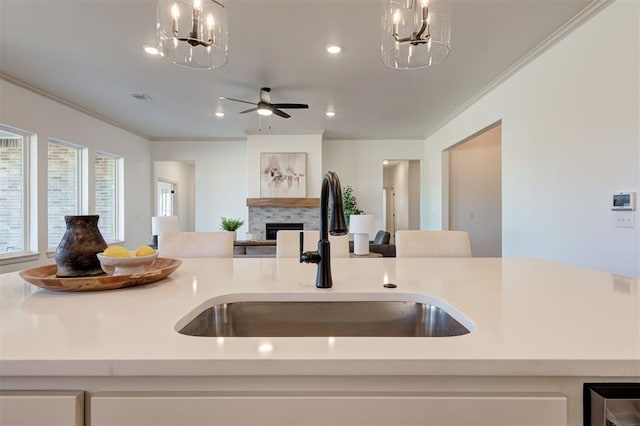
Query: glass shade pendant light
193,33
415,33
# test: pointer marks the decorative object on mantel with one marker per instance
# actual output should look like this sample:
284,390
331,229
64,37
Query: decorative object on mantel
415,33
361,225
283,174
350,203
81,242
193,33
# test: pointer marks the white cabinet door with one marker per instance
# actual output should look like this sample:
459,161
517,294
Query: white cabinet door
191,409
41,408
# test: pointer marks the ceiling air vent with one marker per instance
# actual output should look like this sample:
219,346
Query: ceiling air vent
140,96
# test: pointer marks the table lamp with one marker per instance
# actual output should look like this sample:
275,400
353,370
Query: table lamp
360,225
160,224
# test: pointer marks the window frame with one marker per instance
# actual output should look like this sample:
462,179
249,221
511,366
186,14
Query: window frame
118,206
80,180
29,244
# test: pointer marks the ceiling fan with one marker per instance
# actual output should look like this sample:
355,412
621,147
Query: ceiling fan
265,107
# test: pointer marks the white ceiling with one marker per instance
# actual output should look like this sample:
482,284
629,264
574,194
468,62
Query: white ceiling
89,53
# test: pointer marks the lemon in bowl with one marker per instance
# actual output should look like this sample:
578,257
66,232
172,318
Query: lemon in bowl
116,251
144,251
117,260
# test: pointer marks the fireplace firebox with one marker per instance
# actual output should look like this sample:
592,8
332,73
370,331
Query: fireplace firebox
273,228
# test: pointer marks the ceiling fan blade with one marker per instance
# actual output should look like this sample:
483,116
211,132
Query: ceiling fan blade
237,100
249,110
291,106
280,113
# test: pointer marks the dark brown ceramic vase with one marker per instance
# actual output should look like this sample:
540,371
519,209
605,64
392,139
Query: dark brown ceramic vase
76,253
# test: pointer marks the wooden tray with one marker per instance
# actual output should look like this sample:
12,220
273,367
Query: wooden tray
45,277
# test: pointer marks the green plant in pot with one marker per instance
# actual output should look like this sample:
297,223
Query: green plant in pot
350,203
231,224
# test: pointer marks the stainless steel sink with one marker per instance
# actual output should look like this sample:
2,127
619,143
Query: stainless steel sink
324,318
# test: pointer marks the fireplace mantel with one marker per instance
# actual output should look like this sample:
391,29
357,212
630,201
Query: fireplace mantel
283,202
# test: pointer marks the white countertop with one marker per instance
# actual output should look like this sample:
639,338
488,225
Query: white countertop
531,317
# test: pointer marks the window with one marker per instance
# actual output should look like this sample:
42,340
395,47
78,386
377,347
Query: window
166,196
107,181
14,191
63,187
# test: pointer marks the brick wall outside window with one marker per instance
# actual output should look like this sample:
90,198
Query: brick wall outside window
105,181
11,196
62,189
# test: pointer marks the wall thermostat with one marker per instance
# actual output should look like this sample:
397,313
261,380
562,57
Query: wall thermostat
624,201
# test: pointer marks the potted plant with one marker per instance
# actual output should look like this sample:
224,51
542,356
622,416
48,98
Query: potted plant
349,202
231,224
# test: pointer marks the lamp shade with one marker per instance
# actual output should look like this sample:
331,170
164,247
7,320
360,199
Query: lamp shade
361,224
160,224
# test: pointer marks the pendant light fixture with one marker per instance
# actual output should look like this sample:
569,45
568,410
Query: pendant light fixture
193,33
415,33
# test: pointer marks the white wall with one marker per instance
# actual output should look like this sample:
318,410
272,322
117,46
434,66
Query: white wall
182,173
228,172
220,178
401,185
359,164
311,144
571,137
475,191
23,109
414,194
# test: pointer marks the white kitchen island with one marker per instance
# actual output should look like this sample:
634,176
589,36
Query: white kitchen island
540,330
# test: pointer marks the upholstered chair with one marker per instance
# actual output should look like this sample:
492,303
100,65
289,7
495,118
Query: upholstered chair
382,237
433,244
288,243
195,244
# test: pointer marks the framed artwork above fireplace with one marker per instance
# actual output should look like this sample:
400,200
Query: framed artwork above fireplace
283,174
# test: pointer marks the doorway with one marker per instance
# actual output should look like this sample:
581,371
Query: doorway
475,190
166,196
401,195
175,191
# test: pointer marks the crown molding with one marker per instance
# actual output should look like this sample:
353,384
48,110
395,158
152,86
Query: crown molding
71,105
183,139
587,13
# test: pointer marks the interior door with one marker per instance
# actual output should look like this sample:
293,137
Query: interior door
166,196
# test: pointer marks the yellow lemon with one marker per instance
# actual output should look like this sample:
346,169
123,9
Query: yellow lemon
144,251
117,251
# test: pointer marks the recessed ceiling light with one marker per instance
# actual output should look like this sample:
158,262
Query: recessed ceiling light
331,114
151,50
334,49
219,114
385,162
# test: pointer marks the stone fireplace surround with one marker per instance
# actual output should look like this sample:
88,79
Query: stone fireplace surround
260,216
282,210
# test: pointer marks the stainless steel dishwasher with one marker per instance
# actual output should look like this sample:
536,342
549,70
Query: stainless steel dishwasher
611,404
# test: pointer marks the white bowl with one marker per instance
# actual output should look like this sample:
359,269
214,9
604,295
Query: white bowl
126,265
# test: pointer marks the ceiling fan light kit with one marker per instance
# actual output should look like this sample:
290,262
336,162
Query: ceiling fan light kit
264,107
415,33
193,33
